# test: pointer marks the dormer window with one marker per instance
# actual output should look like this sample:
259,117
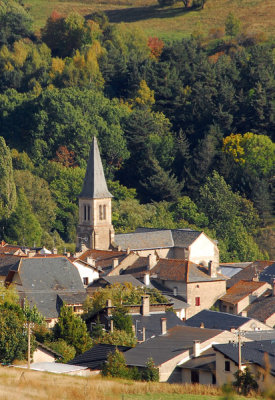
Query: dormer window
102,212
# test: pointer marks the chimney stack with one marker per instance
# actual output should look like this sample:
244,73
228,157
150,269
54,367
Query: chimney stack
115,263
112,325
128,250
163,326
146,279
145,305
212,269
202,325
90,261
152,260
196,348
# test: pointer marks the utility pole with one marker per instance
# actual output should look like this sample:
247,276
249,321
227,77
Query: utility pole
29,344
239,334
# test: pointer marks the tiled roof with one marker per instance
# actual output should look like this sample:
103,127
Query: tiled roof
249,272
138,268
241,290
103,258
44,278
252,352
206,361
7,261
96,356
150,238
217,320
182,270
162,348
152,323
178,301
122,279
262,308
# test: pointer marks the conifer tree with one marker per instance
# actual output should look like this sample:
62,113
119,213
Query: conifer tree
7,186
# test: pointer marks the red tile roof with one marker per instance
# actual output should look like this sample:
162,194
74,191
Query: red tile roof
241,290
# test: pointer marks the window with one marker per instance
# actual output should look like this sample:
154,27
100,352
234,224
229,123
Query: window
87,211
227,366
86,281
214,379
102,212
197,301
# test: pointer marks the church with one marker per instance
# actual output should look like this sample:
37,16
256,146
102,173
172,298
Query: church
95,229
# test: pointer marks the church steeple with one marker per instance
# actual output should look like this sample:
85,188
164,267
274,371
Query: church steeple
94,185
95,228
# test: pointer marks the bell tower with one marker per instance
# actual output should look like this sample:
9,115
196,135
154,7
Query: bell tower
95,227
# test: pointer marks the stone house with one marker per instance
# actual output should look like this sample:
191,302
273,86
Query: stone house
241,295
173,348
255,355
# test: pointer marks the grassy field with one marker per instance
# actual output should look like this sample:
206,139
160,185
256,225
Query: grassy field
30,385
168,23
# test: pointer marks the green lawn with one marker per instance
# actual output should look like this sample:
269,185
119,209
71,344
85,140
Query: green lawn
170,22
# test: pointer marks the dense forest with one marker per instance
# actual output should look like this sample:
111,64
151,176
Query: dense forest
186,129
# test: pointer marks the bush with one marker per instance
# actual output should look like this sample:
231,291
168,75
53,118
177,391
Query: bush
116,366
150,373
65,350
198,4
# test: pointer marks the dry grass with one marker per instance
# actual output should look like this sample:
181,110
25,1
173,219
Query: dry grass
256,15
28,385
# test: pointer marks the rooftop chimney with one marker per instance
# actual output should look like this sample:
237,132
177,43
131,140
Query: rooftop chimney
152,260
54,251
202,325
212,269
196,348
115,262
145,305
163,326
146,279
112,325
255,278
128,250
143,334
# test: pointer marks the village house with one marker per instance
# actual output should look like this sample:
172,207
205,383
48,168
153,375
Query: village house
258,356
48,283
241,295
173,348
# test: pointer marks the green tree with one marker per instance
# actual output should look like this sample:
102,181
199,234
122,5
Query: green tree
232,25
67,351
150,373
117,338
73,330
245,381
7,186
13,337
15,22
122,320
39,196
23,227
115,365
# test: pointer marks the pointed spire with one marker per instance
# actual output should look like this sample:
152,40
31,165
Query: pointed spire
95,185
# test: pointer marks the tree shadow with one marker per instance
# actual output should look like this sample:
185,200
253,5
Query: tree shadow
142,13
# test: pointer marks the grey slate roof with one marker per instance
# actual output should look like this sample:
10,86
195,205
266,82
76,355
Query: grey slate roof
165,347
252,352
7,262
206,361
262,308
94,185
43,279
127,278
217,320
178,301
268,274
150,238
152,323
95,357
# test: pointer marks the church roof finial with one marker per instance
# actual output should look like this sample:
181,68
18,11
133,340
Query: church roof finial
95,185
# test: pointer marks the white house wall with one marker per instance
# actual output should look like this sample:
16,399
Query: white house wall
203,250
86,272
